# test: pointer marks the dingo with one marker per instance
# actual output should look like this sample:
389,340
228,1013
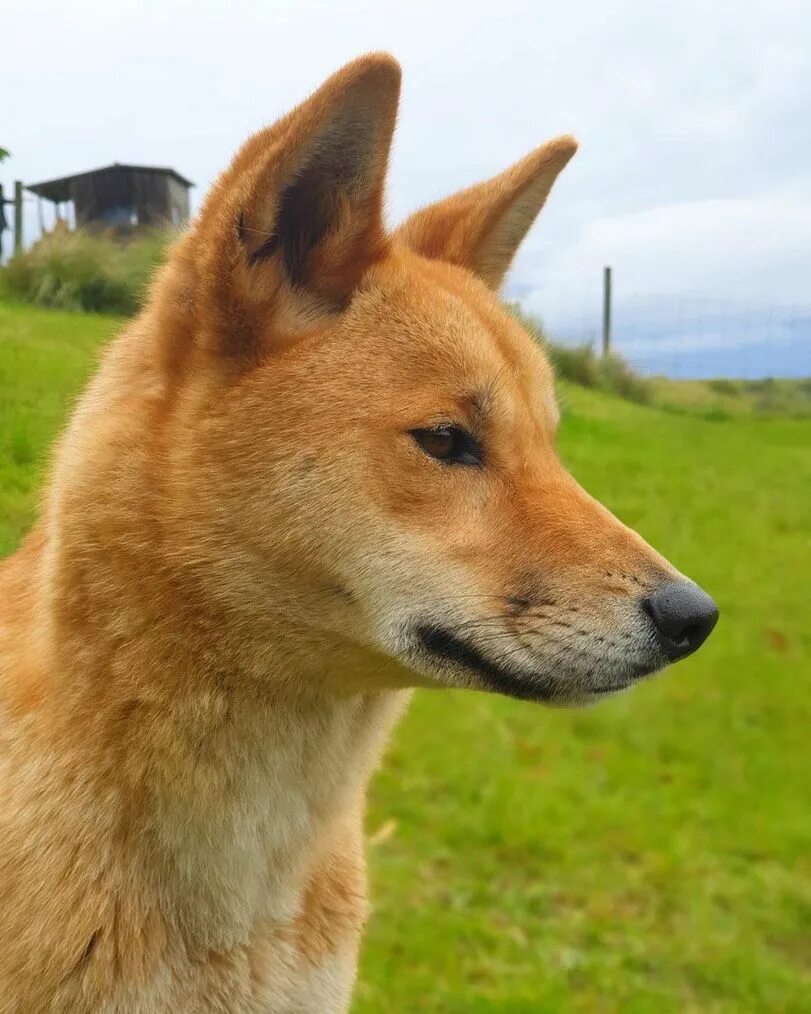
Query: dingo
319,468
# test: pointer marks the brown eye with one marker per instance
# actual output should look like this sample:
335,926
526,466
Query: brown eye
451,444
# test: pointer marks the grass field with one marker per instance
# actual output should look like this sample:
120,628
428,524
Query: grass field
730,399
651,854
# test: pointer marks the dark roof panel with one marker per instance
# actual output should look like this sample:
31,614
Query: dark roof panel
59,189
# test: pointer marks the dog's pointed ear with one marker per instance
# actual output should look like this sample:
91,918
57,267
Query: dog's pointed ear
299,211
482,227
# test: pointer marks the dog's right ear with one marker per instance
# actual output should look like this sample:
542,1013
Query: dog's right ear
297,218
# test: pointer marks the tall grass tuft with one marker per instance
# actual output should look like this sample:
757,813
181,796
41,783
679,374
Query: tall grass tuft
74,270
581,365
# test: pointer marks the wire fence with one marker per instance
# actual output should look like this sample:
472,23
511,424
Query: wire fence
690,336
38,217
679,335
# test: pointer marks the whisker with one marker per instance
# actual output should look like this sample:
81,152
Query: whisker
257,232
468,625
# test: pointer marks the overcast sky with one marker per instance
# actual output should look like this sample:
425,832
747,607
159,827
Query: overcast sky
694,173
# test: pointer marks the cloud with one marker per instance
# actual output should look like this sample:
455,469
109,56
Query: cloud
693,169
746,247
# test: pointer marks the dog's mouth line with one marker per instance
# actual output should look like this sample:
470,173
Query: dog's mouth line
440,643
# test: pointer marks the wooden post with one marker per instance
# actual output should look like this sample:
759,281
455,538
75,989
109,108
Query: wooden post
18,216
606,310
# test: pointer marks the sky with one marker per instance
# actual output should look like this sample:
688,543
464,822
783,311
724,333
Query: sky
693,179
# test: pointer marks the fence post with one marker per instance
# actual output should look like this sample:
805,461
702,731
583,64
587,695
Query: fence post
606,310
18,216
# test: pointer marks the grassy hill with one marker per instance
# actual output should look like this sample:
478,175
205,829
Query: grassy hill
651,854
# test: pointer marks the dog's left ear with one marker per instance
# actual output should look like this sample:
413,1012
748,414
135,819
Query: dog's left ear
481,228
288,230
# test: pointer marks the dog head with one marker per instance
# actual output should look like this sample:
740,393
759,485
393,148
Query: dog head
366,440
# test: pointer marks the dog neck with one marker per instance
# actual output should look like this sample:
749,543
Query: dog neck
249,800
235,772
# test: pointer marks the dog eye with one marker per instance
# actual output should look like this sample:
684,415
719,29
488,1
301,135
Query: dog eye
451,444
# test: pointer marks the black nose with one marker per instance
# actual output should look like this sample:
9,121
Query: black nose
683,614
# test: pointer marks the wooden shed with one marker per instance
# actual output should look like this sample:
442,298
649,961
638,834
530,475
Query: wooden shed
121,196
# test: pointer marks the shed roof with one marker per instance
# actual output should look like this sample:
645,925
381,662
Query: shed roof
59,189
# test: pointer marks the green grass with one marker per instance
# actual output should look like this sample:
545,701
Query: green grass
650,854
728,399
44,359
